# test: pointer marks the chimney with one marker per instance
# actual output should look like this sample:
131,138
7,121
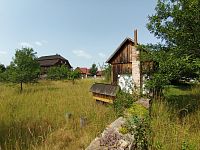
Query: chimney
135,38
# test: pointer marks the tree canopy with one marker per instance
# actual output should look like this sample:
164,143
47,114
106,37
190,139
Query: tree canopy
93,69
177,22
2,68
57,73
24,68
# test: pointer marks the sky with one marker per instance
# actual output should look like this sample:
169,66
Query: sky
82,31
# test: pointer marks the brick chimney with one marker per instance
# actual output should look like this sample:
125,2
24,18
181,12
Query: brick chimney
135,37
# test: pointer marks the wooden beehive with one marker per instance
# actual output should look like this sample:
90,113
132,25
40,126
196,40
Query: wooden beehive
104,92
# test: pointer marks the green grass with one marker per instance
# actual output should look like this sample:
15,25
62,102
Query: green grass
35,118
176,119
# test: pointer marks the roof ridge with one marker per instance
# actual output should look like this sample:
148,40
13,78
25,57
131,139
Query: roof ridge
127,38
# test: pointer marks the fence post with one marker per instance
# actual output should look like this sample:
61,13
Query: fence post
83,121
68,116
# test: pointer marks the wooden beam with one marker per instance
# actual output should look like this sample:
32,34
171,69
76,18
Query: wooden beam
103,99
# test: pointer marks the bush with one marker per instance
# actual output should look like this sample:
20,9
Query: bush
137,124
137,110
122,102
2,77
57,73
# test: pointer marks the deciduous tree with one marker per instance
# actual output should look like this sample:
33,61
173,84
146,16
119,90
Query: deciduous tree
24,68
2,68
93,69
177,22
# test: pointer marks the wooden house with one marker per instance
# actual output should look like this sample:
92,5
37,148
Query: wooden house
104,92
125,62
127,71
52,61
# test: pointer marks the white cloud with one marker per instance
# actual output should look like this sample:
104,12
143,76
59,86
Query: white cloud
25,44
38,43
101,55
3,52
81,53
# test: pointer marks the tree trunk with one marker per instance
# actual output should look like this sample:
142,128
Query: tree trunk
21,87
73,81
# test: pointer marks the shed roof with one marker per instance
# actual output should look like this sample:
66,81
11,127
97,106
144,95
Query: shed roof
118,48
105,89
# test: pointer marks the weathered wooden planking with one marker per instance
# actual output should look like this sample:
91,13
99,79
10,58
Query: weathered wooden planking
104,92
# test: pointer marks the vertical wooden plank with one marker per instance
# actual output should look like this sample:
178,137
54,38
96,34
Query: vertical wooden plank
112,71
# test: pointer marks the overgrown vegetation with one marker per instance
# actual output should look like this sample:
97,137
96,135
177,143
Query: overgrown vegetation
36,118
62,72
175,120
58,73
107,73
122,102
175,113
177,24
137,124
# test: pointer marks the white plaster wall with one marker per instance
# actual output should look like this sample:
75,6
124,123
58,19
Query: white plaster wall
126,83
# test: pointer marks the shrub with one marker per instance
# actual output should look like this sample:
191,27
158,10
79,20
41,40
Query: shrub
123,130
3,77
137,124
122,102
57,73
137,110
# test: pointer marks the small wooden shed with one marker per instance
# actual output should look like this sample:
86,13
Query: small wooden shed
104,92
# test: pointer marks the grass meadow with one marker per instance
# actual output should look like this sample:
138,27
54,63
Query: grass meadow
36,118
176,120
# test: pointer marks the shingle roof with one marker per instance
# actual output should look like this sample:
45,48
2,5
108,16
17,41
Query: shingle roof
52,60
48,62
51,57
115,52
105,89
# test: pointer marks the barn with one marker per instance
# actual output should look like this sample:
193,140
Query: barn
52,61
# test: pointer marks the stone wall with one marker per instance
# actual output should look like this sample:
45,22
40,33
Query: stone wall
136,68
112,139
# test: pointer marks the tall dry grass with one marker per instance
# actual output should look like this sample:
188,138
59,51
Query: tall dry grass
36,118
176,120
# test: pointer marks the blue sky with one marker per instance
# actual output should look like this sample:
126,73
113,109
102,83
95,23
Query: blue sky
83,31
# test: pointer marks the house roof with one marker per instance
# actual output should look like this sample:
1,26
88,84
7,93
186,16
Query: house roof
52,60
118,48
48,62
84,70
105,89
50,57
